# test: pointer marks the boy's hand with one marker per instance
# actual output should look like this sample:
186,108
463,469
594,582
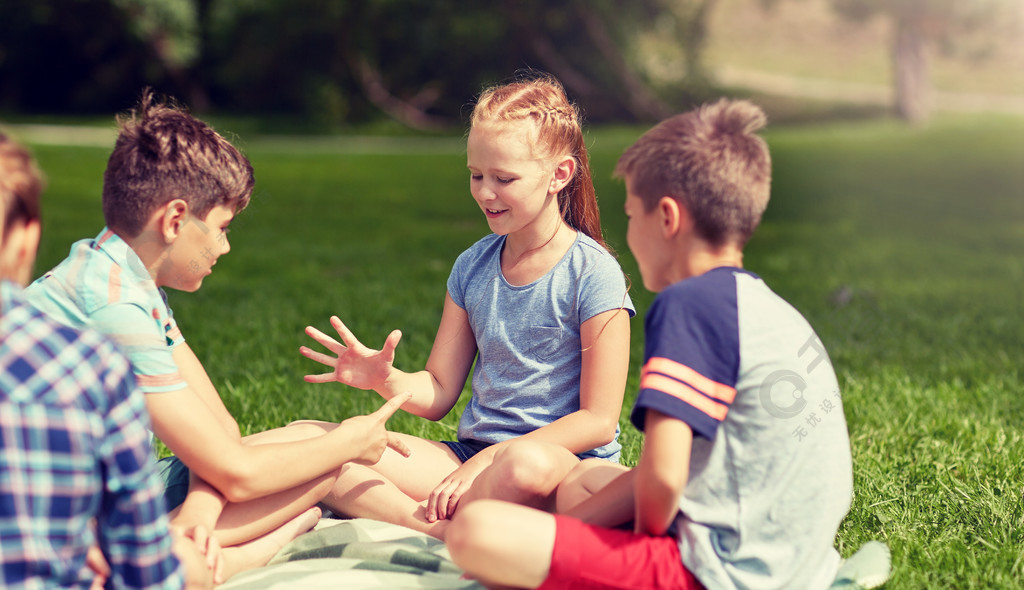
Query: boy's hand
353,364
370,430
196,555
208,546
96,562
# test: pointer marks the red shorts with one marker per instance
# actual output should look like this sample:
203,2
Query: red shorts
587,556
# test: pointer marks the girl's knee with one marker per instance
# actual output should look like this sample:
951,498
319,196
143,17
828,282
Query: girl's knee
534,467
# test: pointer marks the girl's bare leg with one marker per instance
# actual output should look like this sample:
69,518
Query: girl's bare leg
584,480
524,472
396,488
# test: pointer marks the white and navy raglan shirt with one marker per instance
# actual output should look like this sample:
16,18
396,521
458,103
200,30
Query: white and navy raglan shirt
770,469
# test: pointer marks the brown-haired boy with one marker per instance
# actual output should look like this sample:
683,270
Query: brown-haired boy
745,473
68,403
171,188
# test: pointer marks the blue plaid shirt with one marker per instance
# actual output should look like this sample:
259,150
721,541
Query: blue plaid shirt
74,447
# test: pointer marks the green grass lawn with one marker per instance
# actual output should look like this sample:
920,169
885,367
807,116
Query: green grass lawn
902,246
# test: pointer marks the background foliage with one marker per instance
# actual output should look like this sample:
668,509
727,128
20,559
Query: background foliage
332,63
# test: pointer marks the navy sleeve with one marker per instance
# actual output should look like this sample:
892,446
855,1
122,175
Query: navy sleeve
691,352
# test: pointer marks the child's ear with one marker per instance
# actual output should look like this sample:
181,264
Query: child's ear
173,216
20,244
675,218
563,174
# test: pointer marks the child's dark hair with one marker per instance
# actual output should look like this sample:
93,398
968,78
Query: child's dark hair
21,183
712,162
541,99
163,153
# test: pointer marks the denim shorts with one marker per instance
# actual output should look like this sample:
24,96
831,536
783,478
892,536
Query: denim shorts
175,476
464,449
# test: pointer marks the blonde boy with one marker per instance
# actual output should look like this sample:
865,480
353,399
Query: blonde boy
171,188
745,473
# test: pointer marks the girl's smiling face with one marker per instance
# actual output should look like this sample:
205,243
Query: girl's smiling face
513,186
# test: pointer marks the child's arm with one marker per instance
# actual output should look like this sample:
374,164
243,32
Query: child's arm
662,472
243,472
605,365
195,375
435,389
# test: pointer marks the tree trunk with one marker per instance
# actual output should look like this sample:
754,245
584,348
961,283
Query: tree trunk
695,41
910,68
641,101
412,112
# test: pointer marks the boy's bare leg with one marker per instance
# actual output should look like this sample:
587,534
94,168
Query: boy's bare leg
245,521
236,523
519,557
257,552
241,522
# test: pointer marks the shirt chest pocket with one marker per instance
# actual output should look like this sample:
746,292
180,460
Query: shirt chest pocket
544,342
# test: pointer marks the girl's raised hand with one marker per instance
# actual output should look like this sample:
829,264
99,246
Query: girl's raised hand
353,364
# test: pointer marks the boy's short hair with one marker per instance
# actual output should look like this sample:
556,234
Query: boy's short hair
712,162
21,183
164,153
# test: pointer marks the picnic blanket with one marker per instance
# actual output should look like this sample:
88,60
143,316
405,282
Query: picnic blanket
357,554
364,554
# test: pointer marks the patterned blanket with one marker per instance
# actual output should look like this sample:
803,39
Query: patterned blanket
362,554
356,554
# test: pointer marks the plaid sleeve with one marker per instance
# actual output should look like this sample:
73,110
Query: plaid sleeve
132,524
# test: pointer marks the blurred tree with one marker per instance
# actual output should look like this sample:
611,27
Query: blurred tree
333,61
691,21
59,53
421,63
918,26
583,43
170,30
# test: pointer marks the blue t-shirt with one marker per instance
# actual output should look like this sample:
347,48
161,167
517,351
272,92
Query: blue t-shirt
770,469
527,372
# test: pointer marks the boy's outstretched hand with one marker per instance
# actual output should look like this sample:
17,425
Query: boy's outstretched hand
374,435
353,364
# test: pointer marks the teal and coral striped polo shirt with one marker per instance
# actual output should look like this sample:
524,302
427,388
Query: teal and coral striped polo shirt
104,284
